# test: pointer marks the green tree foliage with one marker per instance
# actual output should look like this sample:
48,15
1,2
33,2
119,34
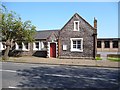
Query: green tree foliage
14,29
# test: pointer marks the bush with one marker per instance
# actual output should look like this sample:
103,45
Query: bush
98,55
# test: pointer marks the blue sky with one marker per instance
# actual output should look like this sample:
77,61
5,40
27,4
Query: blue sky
54,15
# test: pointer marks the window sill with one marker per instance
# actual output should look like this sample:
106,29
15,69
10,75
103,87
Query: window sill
75,30
76,50
39,50
21,50
25,50
35,49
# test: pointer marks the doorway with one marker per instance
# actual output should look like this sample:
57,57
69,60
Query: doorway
53,50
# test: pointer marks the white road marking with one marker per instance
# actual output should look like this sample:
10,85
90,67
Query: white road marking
81,76
57,75
1,70
11,87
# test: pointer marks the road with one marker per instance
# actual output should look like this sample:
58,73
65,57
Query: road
15,75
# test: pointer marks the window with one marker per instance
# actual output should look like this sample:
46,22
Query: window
107,44
37,45
40,45
115,44
20,45
26,45
44,45
98,44
77,44
4,46
76,25
64,47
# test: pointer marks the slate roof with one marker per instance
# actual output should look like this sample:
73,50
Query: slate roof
45,34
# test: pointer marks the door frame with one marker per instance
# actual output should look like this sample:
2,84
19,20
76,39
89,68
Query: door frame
49,48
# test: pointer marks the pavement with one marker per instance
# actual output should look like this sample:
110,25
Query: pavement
73,62
103,55
25,75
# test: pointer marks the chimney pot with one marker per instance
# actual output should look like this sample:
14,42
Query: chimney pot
95,23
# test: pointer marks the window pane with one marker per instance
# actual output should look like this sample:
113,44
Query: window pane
98,44
20,45
3,45
76,23
74,46
45,44
115,44
79,46
26,45
37,45
74,42
79,42
107,44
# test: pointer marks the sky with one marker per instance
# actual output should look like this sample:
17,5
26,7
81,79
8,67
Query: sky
54,15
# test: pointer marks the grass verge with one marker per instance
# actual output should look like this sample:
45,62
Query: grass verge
114,59
98,58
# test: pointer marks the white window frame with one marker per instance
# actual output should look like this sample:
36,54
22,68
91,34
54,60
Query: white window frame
76,26
64,47
16,46
34,45
23,47
41,46
76,50
2,46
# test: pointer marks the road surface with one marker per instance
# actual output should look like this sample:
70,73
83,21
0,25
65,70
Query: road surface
17,75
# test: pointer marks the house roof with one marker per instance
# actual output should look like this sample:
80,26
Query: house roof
45,34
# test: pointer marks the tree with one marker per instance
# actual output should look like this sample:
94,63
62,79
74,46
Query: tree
14,29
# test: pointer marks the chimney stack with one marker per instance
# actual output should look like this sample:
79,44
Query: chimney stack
95,23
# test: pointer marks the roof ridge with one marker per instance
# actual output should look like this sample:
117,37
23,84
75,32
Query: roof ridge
81,18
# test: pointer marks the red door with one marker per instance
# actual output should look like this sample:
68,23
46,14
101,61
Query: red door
52,50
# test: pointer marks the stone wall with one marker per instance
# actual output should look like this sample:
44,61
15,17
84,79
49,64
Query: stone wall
30,52
85,31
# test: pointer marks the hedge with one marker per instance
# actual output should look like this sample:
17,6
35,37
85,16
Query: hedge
114,55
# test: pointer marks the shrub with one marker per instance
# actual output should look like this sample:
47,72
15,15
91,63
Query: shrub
98,55
3,58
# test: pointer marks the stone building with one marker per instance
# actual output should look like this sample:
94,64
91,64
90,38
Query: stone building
77,39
